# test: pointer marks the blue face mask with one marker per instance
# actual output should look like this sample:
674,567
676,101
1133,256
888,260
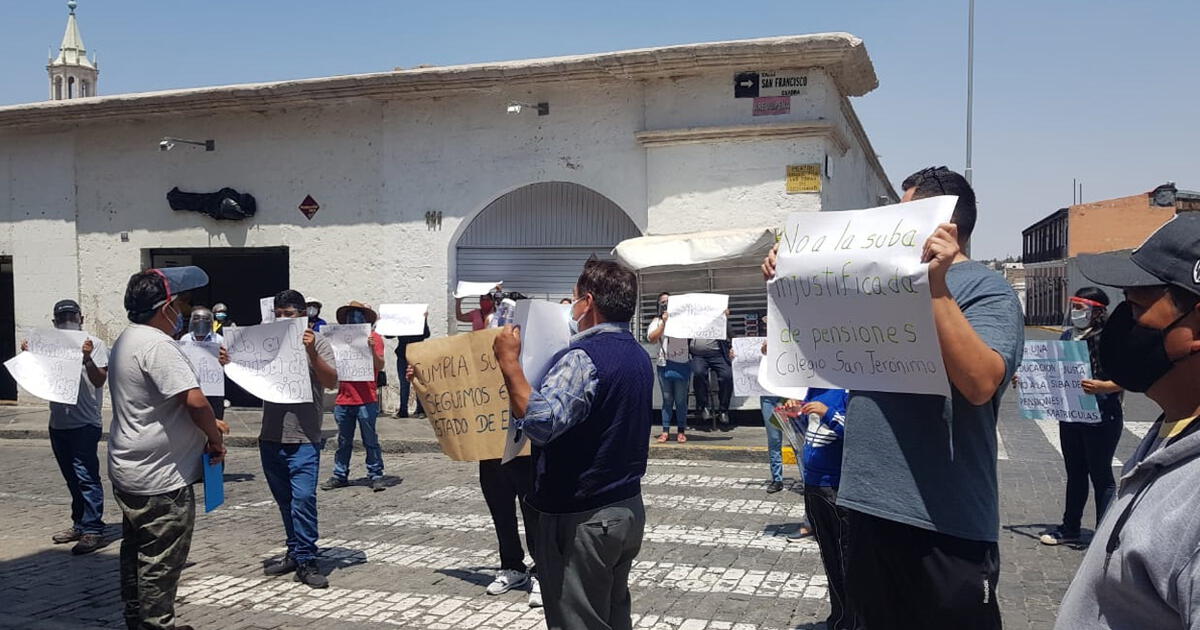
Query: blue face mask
178,322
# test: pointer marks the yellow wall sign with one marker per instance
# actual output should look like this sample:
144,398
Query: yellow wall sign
802,178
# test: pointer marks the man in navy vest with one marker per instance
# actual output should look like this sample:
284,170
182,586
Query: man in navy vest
588,423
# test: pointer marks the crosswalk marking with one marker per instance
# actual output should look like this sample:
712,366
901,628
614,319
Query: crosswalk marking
791,510
1050,430
1001,452
707,463
403,609
667,575
770,538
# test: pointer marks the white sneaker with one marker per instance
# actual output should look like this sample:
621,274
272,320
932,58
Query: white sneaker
535,593
506,581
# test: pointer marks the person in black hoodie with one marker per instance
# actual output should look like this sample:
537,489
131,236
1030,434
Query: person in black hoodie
402,369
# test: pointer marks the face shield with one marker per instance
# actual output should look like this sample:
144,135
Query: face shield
1083,312
201,322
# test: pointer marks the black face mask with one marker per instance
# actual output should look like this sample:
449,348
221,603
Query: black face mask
1133,355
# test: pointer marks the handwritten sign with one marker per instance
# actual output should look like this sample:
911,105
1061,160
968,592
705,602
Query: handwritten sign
205,358
269,360
747,356
349,341
1050,382
53,366
266,307
474,289
850,306
543,336
401,320
697,316
462,390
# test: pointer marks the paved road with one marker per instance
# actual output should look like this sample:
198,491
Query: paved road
418,555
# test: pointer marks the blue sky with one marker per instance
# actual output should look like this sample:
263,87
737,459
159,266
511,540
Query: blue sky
1105,91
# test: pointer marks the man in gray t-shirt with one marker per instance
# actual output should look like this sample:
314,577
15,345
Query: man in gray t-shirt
290,448
918,471
75,435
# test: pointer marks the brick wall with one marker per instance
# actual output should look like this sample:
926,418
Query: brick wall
1113,224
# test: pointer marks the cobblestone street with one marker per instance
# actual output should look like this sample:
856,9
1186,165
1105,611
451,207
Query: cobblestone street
419,554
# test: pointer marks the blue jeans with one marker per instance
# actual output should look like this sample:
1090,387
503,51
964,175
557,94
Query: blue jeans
364,416
291,471
75,452
774,437
674,398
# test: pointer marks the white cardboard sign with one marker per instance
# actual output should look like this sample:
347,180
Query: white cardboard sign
474,289
53,366
1050,382
850,305
205,358
266,307
543,335
697,316
354,362
269,360
747,356
401,320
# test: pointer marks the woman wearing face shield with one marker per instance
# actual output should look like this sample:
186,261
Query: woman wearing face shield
1088,448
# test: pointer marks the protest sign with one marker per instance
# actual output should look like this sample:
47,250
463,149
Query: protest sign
1050,382
354,362
53,366
462,390
401,320
266,307
747,356
269,360
696,316
850,307
205,358
543,335
474,289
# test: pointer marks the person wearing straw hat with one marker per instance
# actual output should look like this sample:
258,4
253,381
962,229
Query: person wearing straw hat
358,404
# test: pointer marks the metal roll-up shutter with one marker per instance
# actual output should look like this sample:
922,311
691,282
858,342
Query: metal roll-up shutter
537,238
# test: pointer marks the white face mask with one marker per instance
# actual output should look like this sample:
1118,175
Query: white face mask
1081,317
572,322
70,324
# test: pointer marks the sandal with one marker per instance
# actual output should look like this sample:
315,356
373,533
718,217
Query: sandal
681,438
663,437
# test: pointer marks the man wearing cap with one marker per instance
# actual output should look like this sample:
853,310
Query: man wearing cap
290,447
161,426
358,403
1142,569
312,309
74,435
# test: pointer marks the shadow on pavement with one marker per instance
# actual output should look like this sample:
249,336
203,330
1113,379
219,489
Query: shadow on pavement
1035,531
473,575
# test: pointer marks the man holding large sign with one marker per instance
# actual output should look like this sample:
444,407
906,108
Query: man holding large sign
919,470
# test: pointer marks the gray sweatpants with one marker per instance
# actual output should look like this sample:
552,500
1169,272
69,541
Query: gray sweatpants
583,563
157,534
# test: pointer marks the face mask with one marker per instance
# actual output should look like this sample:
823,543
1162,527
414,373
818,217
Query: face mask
1134,355
70,324
1081,317
178,326
355,317
572,322
221,316
662,307
313,312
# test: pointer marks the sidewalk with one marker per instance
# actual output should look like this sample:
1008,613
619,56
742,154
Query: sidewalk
745,443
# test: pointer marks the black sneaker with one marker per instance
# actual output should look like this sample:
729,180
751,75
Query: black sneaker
377,485
774,487
420,415
1059,536
66,536
334,483
307,573
281,567
87,544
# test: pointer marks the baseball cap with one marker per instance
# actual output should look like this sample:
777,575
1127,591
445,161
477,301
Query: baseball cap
1171,255
66,306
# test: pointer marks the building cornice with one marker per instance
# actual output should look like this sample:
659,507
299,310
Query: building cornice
735,133
841,55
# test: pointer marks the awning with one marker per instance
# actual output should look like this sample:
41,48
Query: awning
716,248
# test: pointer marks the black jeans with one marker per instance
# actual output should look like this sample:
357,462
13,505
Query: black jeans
1087,455
901,576
828,523
701,364
405,386
503,487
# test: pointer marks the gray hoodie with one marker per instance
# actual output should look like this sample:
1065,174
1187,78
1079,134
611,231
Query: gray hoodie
1141,571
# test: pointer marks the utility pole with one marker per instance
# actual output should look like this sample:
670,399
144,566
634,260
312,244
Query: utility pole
970,83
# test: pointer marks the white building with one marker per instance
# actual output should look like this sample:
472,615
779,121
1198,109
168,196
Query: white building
424,177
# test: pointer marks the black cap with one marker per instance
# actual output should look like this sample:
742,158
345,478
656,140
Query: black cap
1171,255
67,306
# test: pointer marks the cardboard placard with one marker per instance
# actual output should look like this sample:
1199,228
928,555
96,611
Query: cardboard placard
462,390
747,357
53,366
401,320
697,316
205,358
543,335
269,360
1050,381
349,341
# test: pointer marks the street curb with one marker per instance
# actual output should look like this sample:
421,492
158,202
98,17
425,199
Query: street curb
695,452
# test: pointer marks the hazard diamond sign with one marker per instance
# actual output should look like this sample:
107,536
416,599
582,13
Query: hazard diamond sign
309,207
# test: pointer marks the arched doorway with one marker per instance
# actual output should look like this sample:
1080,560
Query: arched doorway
537,237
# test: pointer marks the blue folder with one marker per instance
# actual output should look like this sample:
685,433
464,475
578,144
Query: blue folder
214,484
